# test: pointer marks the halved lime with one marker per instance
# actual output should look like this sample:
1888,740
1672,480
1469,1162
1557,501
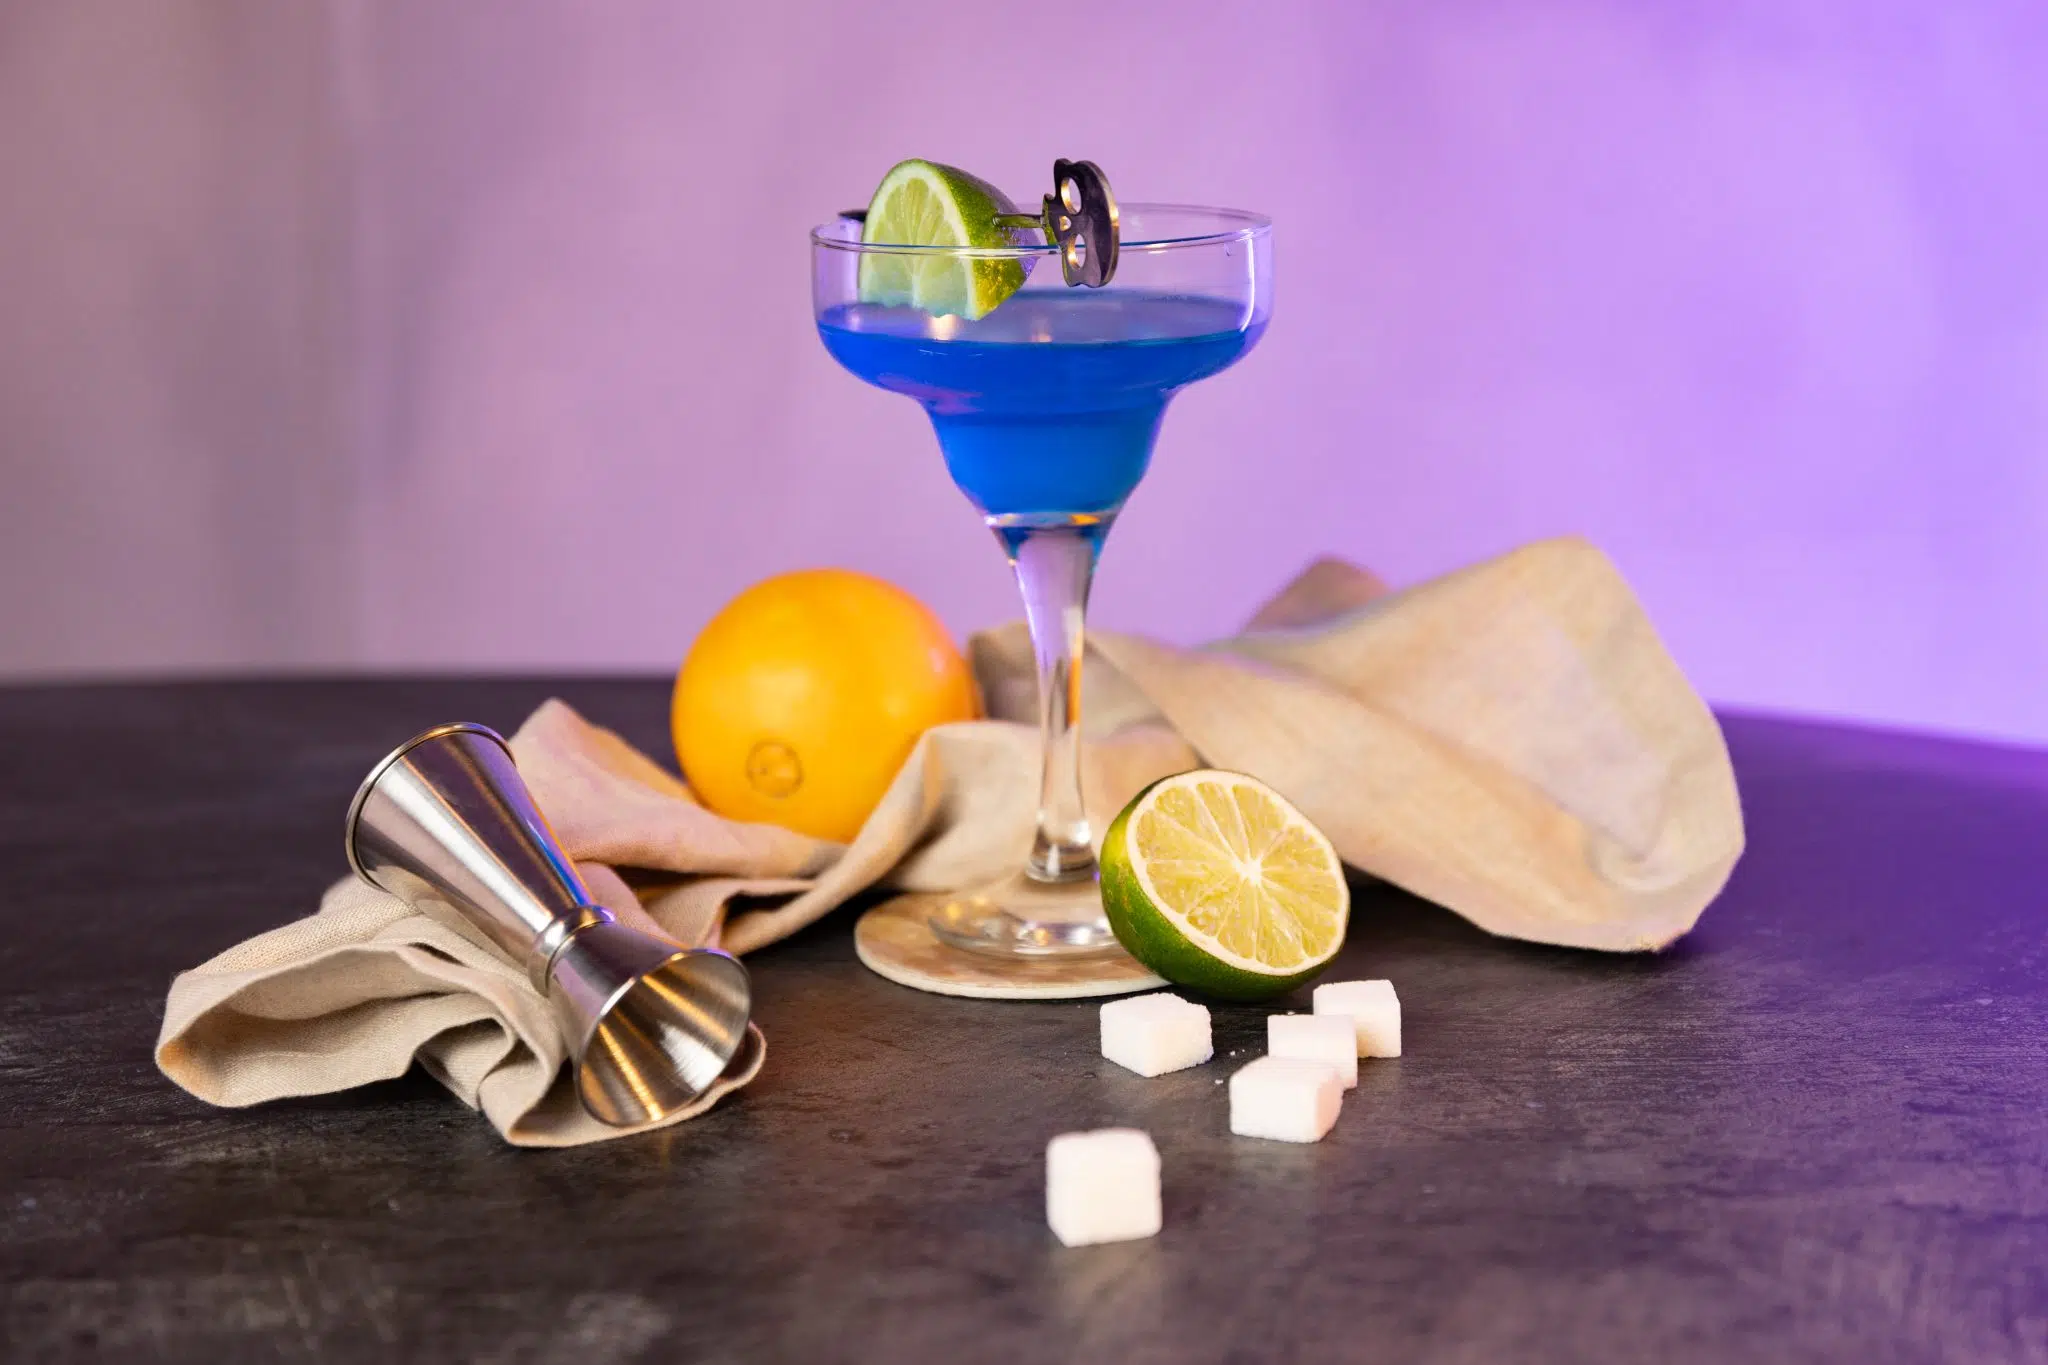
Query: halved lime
921,203
1215,882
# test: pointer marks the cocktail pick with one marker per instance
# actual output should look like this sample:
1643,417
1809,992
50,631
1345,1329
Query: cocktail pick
445,823
1079,217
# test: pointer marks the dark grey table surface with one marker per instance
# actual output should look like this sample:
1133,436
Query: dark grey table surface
1815,1130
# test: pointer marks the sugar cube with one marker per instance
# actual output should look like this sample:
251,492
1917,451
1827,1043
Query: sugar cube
1157,1033
1315,1038
1284,1098
1374,1009
1102,1186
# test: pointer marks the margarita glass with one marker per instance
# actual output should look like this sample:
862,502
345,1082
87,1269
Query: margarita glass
1046,410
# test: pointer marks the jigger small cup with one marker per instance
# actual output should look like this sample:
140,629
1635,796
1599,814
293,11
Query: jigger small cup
445,823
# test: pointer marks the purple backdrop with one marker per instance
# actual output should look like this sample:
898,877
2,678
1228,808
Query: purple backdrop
425,334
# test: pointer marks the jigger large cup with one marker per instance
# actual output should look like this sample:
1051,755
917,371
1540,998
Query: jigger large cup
445,824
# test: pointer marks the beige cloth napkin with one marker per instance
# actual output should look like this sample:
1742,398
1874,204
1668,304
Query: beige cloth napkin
1510,741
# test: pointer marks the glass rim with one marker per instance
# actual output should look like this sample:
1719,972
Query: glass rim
1245,226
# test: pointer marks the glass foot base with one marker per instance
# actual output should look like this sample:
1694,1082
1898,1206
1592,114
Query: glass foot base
1019,917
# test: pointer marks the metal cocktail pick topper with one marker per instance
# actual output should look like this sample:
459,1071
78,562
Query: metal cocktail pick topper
445,824
1079,218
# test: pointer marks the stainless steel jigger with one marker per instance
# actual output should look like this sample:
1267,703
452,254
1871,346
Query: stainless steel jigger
445,824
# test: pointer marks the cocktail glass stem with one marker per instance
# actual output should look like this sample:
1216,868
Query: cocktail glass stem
1055,565
1050,907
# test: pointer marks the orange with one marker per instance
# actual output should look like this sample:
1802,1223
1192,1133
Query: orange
804,695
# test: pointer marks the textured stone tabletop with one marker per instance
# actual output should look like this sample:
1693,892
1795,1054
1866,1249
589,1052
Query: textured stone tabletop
1815,1130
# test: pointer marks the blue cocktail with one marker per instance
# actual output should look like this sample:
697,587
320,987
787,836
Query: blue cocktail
1046,409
